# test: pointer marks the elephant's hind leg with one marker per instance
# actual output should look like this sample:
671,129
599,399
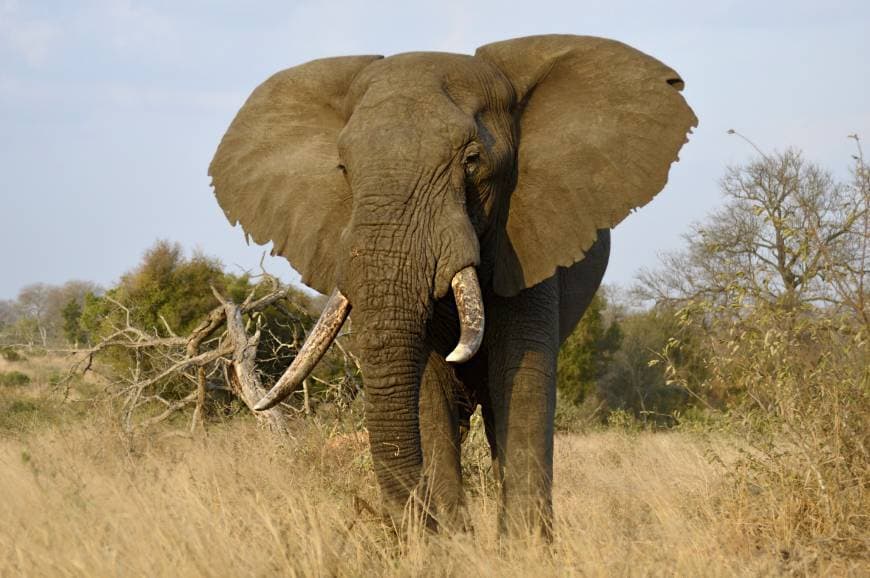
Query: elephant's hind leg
439,436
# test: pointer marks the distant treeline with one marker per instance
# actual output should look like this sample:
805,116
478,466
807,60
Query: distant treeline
166,291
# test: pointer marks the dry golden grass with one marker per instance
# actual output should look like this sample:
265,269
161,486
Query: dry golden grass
86,502
82,499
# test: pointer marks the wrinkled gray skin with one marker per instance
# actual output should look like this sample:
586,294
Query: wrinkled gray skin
385,177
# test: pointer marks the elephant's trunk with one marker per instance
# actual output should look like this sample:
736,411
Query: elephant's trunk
392,366
390,319
390,313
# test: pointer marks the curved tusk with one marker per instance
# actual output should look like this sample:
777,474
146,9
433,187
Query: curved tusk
321,337
469,304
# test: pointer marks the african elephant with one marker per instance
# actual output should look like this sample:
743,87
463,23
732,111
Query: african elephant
430,191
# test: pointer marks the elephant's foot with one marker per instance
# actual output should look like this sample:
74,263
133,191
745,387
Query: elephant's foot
412,518
526,518
432,507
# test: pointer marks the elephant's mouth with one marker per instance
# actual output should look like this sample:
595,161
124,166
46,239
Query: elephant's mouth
469,305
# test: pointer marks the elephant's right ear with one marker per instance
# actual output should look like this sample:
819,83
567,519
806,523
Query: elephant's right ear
276,170
599,125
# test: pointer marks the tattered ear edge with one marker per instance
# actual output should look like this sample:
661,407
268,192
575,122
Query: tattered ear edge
557,72
276,171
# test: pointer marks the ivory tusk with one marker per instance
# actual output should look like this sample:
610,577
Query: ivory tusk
469,305
321,337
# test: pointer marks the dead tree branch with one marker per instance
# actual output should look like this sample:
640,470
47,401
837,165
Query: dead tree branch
244,379
156,377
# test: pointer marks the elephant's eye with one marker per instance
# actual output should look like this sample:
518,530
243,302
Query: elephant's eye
471,162
342,168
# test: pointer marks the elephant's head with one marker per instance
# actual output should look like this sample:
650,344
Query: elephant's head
392,179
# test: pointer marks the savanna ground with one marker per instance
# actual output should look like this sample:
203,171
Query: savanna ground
82,498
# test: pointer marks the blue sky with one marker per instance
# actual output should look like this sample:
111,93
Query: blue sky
110,110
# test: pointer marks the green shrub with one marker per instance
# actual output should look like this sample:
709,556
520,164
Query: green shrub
623,420
634,380
72,326
9,354
587,352
13,378
578,417
165,298
22,406
23,414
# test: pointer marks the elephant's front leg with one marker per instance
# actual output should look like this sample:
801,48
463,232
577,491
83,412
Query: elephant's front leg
439,436
522,341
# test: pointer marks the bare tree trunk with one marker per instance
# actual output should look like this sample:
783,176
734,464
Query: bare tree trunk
244,378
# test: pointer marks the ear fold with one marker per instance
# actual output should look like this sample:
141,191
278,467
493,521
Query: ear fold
600,124
276,170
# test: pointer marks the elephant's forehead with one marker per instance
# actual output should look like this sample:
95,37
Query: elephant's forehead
399,125
470,83
421,101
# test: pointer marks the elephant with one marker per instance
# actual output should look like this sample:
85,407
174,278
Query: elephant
452,199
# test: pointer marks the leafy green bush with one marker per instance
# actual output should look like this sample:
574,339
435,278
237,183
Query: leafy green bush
19,414
634,381
586,353
72,326
611,363
168,294
9,354
141,327
13,378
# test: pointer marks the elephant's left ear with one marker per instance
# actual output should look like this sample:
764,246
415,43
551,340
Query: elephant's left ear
599,125
277,170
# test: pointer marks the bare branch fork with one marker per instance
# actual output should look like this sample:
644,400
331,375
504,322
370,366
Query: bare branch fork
243,375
